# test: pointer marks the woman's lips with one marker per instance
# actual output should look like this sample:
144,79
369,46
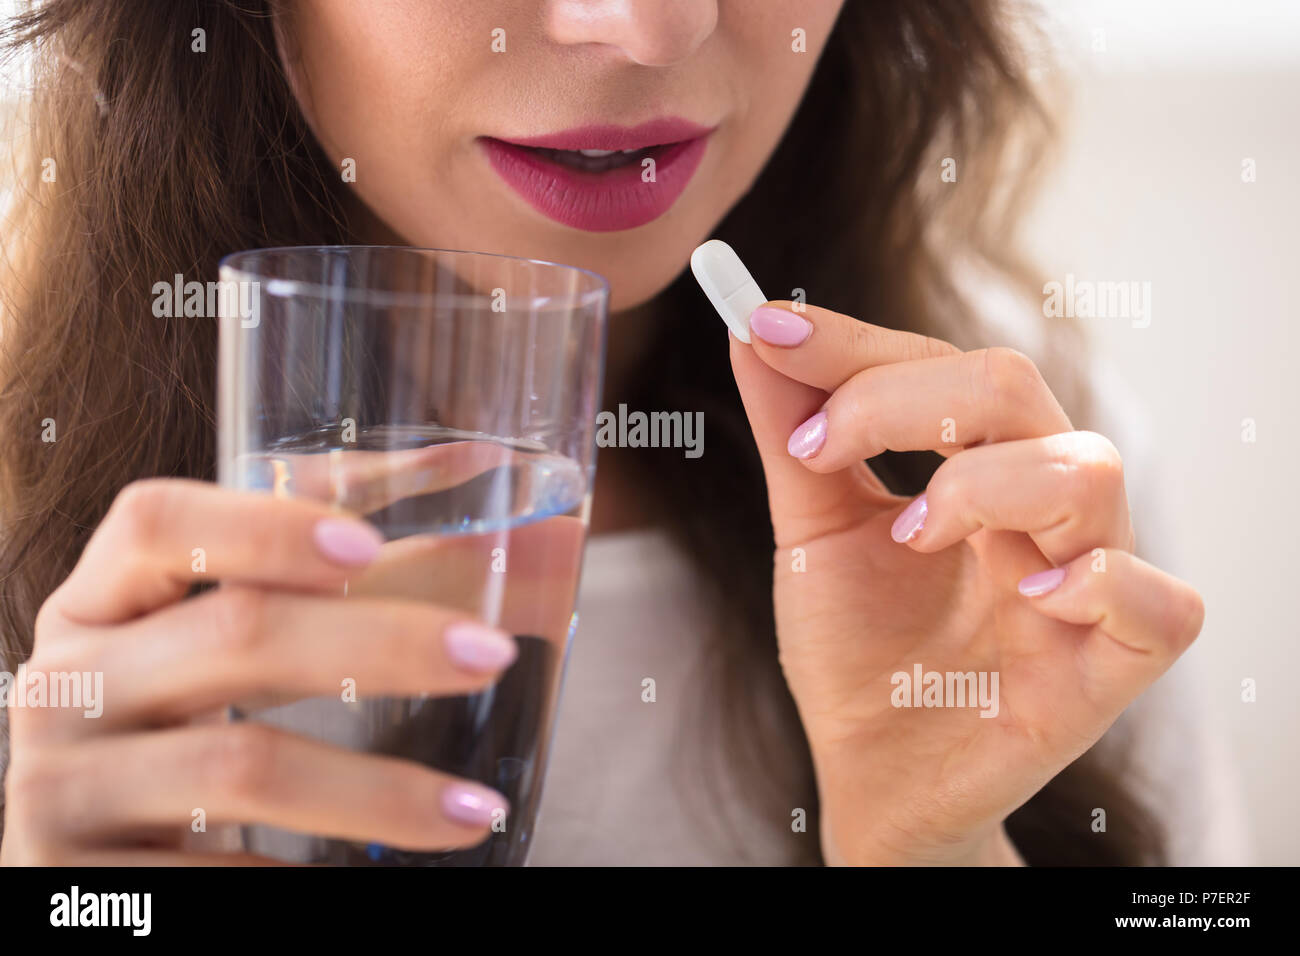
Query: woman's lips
578,191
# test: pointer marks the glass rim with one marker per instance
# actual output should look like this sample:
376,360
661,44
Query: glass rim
281,288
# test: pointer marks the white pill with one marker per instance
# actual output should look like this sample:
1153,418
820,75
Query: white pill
728,284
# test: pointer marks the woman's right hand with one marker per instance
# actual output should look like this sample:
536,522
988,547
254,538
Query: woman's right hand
123,788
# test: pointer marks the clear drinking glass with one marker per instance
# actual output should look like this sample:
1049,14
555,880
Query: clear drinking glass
450,398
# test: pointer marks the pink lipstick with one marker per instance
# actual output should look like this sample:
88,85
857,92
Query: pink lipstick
602,178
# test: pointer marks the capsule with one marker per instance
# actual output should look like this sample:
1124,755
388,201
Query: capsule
728,284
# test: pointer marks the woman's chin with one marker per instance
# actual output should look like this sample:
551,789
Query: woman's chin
637,271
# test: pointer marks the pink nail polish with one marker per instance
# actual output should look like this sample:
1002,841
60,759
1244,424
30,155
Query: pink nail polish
347,541
477,647
909,524
471,804
779,326
808,438
1036,585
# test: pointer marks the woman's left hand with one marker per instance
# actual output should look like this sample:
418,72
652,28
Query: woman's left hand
1017,563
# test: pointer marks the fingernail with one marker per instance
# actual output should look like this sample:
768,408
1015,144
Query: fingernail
477,647
909,524
471,804
1036,585
808,438
347,541
779,326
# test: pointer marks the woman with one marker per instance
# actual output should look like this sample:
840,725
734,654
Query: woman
838,148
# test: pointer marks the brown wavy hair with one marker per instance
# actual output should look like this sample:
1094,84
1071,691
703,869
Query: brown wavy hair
164,161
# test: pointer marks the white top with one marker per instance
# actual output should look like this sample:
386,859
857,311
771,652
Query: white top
620,786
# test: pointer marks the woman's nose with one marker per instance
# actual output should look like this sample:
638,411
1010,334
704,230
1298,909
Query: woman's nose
648,32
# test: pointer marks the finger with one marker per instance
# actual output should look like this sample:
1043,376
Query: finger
248,773
1140,618
366,481
825,349
1065,491
237,642
803,504
544,559
162,536
938,404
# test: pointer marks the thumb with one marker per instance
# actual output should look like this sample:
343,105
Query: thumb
804,504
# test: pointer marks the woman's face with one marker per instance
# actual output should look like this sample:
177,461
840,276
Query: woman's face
465,121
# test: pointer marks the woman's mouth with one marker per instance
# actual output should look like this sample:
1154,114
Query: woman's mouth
602,178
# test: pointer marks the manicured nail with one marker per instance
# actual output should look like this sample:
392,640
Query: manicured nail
808,438
909,524
477,647
471,804
1036,585
347,541
779,326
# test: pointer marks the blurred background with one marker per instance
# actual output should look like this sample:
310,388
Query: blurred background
1174,106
